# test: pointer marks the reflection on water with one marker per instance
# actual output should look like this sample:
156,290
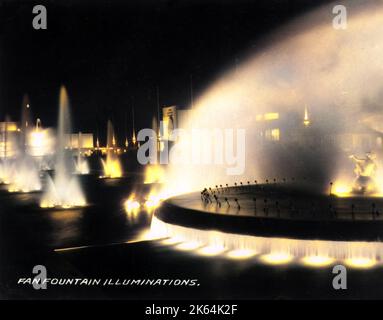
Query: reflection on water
65,224
25,197
101,222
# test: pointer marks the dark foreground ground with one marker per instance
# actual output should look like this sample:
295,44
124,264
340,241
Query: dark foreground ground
30,236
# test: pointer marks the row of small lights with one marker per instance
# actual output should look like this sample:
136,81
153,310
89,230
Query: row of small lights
205,196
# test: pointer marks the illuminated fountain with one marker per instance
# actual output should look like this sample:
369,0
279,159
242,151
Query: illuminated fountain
112,165
82,166
154,173
310,70
25,176
8,151
311,64
64,190
20,171
147,201
6,171
40,142
41,146
132,207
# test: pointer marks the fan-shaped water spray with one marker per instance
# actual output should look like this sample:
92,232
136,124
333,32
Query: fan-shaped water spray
302,100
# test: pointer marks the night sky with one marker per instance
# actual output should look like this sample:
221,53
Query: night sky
111,55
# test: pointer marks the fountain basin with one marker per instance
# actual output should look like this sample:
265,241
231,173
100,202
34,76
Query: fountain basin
275,237
278,211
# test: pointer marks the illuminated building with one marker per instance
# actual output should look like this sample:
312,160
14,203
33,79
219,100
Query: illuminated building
79,140
9,126
9,133
299,129
269,126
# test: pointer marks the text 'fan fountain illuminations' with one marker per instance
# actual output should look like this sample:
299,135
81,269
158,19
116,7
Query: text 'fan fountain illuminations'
306,111
64,190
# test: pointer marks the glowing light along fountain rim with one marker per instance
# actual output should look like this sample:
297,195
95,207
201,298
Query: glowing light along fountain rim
272,251
64,207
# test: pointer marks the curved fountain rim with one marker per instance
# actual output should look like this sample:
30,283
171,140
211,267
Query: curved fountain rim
304,229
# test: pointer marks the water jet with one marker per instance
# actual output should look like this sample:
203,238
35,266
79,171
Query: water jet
112,165
64,190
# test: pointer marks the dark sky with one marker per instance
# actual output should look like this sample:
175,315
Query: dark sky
112,54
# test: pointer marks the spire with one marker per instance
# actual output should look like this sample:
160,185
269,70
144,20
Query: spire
134,130
126,130
306,120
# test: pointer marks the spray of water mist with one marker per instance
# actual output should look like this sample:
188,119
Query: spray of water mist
336,75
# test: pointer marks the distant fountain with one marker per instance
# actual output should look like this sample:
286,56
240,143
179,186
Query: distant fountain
25,176
40,141
154,173
82,166
112,165
64,190
6,169
20,171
